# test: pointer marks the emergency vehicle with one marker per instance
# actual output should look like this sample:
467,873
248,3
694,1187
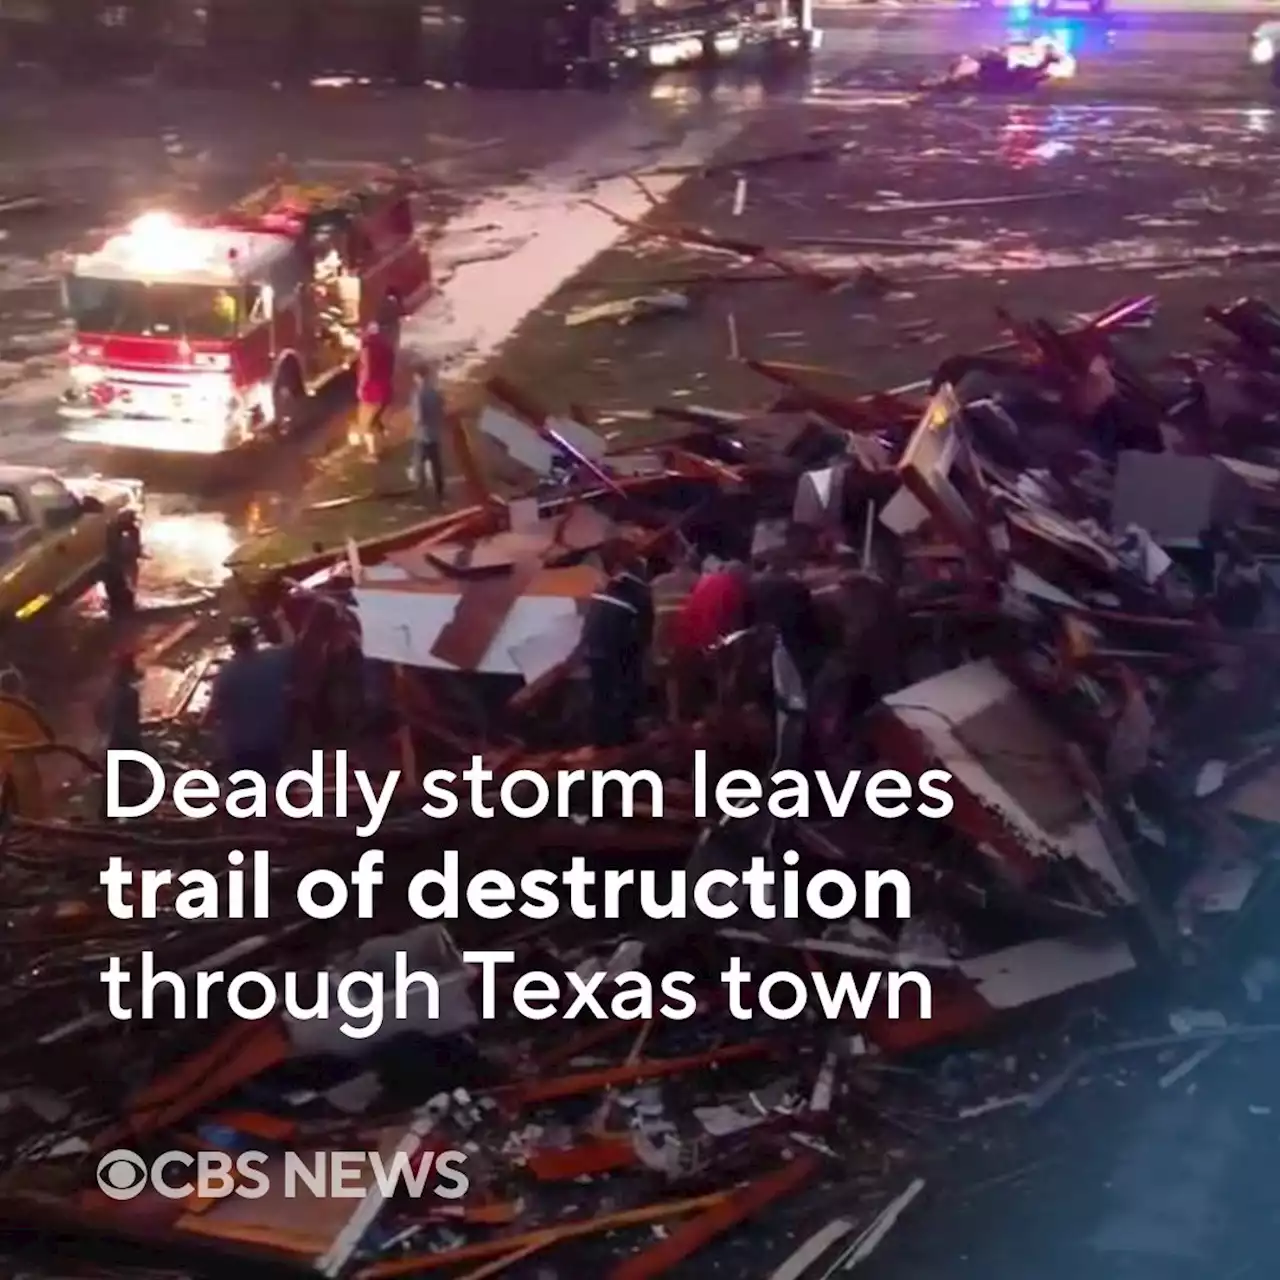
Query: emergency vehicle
198,336
627,36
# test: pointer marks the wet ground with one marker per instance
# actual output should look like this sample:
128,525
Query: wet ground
505,175
1130,53
492,169
1153,171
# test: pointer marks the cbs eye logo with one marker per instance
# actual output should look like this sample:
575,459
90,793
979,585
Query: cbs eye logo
122,1175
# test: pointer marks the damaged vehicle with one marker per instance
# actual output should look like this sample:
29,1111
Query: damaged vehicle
1017,67
59,538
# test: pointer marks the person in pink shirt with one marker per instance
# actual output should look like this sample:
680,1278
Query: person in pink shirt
375,387
716,607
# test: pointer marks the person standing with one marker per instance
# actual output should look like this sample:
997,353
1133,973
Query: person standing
671,590
375,387
123,555
714,609
780,598
616,634
250,704
427,411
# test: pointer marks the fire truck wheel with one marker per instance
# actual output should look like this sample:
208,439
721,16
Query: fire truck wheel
289,398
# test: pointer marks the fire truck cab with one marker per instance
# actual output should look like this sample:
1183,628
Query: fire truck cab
198,336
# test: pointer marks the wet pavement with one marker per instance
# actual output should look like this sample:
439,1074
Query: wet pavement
505,175
1173,58
498,174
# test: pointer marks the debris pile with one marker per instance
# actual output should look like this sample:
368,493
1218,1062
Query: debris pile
1046,573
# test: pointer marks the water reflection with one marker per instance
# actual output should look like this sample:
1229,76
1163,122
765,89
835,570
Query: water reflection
1259,120
1032,136
700,88
186,549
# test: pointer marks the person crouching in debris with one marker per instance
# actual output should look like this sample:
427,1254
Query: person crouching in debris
120,720
780,599
375,387
717,606
250,704
1238,590
427,424
616,634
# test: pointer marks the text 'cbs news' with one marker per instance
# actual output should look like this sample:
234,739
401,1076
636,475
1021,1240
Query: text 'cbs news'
250,1175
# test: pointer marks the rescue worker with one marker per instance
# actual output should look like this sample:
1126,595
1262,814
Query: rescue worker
120,566
616,634
375,387
250,704
120,720
427,411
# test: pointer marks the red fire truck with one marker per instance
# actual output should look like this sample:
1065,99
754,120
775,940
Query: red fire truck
197,336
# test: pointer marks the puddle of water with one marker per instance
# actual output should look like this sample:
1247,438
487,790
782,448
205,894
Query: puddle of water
185,550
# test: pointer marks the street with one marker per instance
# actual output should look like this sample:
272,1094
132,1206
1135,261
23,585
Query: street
1153,171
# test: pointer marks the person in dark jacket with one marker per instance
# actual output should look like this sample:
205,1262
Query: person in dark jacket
120,566
616,634
780,599
427,411
250,704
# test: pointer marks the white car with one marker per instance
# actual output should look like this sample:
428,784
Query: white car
1264,45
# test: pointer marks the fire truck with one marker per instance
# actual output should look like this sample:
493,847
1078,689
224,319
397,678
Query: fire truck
196,336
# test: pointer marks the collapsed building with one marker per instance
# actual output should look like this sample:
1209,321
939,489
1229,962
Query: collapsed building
1045,573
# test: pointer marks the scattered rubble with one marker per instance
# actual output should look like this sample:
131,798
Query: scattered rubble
1048,570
